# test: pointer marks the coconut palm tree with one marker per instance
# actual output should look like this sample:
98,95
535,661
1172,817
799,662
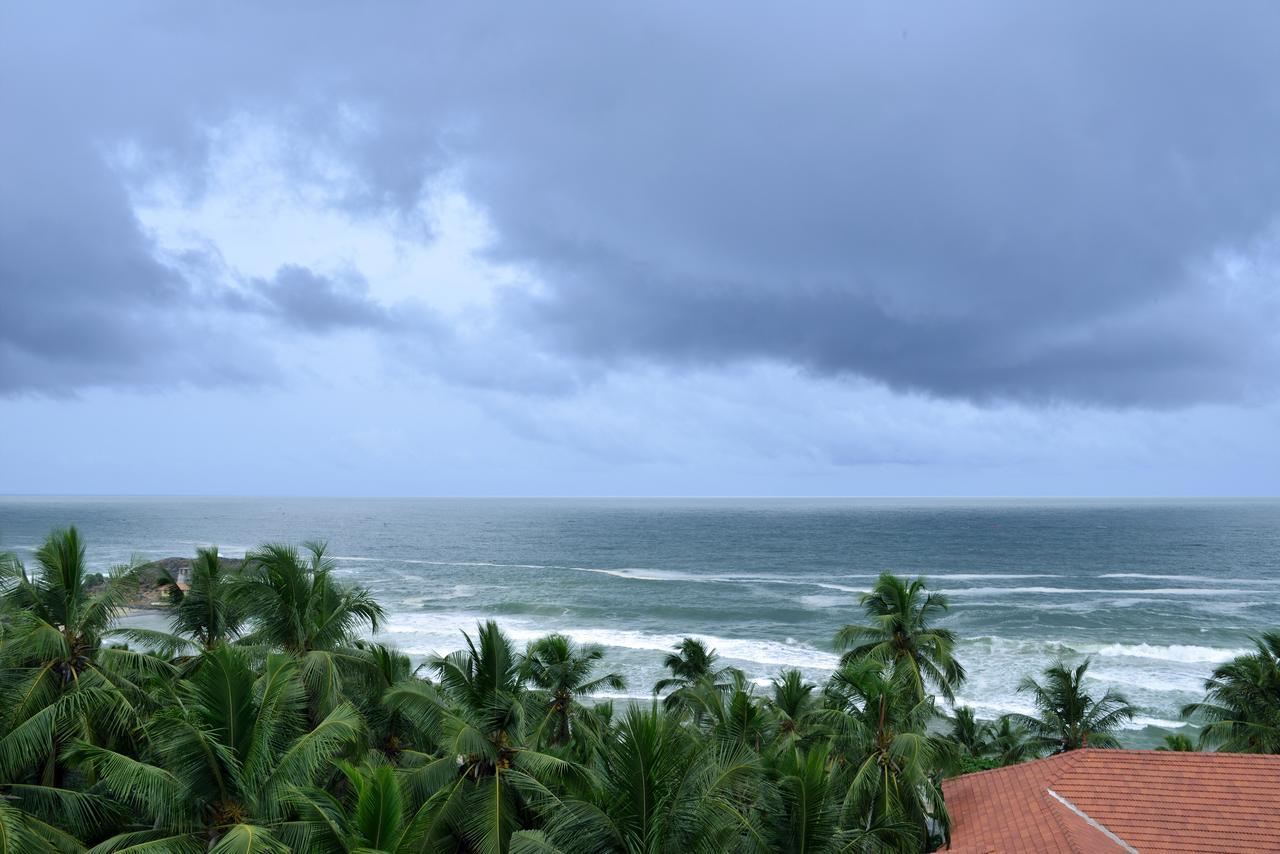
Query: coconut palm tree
221,761
385,667
1177,742
296,605
810,813
1009,742
293,604
59,681
371,815
808,818
1241,708
207,611
735,716
1069,717
970,735
206,614
793,703
692,664
487,778
565,671
900,628
883,755
661,789
22,833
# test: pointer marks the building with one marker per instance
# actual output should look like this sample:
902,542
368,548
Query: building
1148,801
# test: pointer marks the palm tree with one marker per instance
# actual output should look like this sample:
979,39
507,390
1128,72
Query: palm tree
372,815
661,789
884,756
1241,707
58,680
207,611
564,670
486,779
21,833
205,615
970,735
385,668
1009,742
735,716
808,819
813,816
692,664
295,605
793,704
901,614
222,760
978,745
1069,717
1177,742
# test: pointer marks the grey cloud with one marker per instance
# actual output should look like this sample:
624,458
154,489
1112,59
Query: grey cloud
82,299
999,201
302,299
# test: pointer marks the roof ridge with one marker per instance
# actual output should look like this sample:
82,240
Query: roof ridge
1069,760
1092,822
1174,754
1149,800
1058,817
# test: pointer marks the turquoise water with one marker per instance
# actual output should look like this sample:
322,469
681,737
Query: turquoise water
1157,592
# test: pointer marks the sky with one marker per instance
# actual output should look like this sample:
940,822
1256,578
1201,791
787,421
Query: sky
596,248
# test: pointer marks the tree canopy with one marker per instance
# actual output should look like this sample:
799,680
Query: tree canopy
266,719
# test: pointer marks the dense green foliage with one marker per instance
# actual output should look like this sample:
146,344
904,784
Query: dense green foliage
1241,711
265,720
1069,717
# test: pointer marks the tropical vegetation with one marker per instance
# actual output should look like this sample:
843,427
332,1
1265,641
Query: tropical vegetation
1068,716
1241,709
267,719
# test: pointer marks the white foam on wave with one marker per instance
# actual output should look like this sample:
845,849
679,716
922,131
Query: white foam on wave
1176,653
645,574
1152,591
425,562
1142,722
652,574
620,695
986,576
824,600
441,634
998,706
1158,682
1159,679
224,550
1173,652
1160,577
628,573
458,591
841,587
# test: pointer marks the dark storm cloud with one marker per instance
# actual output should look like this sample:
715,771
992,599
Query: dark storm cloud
82,299
991,201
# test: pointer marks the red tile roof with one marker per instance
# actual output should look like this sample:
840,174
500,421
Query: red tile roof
1089,801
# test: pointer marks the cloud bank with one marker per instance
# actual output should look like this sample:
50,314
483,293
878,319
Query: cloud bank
993,206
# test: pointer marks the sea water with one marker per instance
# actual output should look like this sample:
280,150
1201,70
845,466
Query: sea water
1156,592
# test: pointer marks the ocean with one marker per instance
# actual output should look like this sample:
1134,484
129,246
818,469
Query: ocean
1156,592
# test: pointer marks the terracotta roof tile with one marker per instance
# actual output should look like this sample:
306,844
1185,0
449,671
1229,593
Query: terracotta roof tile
1148,800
